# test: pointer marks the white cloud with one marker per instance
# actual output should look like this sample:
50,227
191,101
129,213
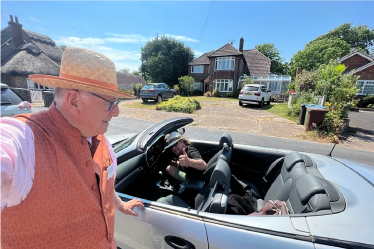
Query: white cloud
34,19
197,53
78,42
182,38
126,38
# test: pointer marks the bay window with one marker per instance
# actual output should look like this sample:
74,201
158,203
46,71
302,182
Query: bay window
225,63
223,85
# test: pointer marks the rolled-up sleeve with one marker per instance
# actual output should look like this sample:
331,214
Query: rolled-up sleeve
17,161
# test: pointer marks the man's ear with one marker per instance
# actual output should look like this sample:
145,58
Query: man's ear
72,100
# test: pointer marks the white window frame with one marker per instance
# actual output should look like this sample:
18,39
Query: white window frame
224,63
223,85
365,83
197,69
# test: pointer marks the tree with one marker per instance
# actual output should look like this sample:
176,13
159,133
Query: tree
318,52
164,59
125,70
63,47
306,81
135,72
360,36
186,84
270,51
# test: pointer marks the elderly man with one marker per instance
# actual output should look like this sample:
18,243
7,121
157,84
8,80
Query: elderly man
189,158
57,167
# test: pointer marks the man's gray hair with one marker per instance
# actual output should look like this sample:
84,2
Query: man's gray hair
60,93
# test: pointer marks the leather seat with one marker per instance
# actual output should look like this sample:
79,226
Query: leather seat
224,153
213,196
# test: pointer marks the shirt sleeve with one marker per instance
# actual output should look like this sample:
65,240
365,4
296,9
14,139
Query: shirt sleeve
193,153
113,155
17,161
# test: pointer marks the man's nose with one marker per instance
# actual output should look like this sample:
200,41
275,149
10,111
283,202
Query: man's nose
114,112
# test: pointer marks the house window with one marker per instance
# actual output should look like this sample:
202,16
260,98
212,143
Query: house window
223,85
369,88
225,63
197,69
366,87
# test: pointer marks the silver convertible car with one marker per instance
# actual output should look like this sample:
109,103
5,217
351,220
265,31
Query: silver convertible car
329,200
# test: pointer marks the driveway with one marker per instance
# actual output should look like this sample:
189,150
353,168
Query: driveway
224,115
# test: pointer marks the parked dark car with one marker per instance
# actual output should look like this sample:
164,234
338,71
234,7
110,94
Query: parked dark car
11,103
157,92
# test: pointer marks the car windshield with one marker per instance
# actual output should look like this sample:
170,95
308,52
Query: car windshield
250,88
124,143
8,97
148,87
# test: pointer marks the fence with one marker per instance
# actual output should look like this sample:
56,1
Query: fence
320,100
280,97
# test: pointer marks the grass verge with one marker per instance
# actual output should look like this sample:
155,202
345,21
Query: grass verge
280,110
150,105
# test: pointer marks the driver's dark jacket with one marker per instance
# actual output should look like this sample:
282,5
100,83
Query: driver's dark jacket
70,204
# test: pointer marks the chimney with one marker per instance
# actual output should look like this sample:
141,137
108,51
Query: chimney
241,44
17,31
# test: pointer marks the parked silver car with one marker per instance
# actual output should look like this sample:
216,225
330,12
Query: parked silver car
156,91
11,103
254,93
328,199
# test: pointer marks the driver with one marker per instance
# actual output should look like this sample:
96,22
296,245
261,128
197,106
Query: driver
188,161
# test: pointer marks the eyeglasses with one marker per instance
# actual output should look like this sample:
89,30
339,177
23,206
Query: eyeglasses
112,103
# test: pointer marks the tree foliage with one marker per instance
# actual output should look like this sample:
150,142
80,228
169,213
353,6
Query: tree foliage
124,70
270,51
186,84
357,37
318,52
164,59
63,47
306,81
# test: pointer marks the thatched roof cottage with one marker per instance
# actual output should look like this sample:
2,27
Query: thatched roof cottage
24,52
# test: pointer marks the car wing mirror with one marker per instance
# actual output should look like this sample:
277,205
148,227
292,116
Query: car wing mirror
181,131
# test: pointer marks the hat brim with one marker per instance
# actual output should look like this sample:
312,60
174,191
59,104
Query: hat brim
54,81
172,143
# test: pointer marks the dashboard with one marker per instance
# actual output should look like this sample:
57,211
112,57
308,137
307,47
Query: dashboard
155,150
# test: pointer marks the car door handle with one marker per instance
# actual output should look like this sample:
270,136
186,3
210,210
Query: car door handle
178,243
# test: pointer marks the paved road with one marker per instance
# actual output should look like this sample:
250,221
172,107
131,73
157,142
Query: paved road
362,121
127,125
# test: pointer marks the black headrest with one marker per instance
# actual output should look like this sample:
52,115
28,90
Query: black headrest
226,138
221,173
291,159
308,186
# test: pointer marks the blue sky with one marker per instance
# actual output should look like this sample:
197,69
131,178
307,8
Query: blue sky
119,29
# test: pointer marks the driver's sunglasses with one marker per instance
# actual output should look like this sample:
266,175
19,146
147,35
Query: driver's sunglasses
112,103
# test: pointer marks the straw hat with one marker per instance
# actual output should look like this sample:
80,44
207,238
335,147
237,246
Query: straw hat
84,69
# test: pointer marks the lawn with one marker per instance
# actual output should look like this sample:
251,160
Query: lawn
280,110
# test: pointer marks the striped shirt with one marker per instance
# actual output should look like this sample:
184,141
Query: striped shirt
18,160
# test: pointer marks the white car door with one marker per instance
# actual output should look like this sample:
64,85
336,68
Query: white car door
159,226
256,232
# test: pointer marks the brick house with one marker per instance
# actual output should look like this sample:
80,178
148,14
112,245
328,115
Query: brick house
24,52
363,66
222,68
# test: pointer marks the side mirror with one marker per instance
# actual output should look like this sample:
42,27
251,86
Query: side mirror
181,131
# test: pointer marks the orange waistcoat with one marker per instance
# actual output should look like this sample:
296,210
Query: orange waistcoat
70,204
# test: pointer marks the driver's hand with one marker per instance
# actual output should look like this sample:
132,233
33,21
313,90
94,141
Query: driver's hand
128,207
184,160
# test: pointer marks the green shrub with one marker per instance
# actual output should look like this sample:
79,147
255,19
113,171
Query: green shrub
216,93
176,89
180,104
229,95
332,124
128,92
297,101
368,100
370,105
197,93
137,88
186,84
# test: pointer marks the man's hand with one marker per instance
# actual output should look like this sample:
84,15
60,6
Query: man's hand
184,160
128,207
